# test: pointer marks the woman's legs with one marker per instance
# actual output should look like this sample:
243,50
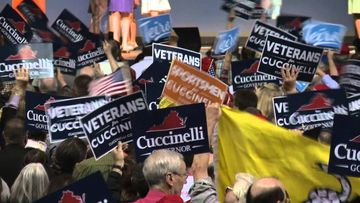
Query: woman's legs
132,39
125,28
115,25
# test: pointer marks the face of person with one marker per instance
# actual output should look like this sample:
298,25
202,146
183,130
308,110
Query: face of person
179,178
230,197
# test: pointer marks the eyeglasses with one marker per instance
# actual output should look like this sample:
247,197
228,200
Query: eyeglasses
185,175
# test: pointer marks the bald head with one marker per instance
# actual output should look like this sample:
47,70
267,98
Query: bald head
266,190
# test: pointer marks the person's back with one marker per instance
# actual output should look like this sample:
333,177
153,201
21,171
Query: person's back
12,156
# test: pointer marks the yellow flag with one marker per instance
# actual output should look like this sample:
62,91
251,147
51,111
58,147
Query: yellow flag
249,144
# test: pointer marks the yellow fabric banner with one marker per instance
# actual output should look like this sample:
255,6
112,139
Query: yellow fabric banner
249,144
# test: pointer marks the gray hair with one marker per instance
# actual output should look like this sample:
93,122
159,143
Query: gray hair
30,185
159,163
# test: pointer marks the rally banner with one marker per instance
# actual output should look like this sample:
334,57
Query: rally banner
279,53
345,146
65,59
282,113
36,119
242,8
182,129
292,24
14,29
260,31
64,116
226,41
244,75
38,58
89,51
33,14
326,35
270,151
187,85
153,93
317,108
70,27
92,188
155,29
108,124
350,77
166,54
354,105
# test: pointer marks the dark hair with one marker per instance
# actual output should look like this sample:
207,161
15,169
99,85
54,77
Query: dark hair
37,135
67,154
14,131
81,85
271,195
35,156
245,98
247,54
59,182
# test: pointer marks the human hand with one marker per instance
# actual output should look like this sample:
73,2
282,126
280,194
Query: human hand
118,154
289,76
21,77
107,47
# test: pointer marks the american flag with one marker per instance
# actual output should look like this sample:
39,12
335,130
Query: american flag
211,70
113,84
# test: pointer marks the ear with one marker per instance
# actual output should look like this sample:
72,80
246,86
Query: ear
169,179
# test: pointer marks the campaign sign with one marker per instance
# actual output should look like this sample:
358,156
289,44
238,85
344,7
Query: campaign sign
244,75
292,24
282,113
92,188
226,41
182,129
350,77
345,146
153,93
317,108
187,85
36,119
354,105
260,31
70,27
326,35
258,12
38,58
64,116
155,29
166,54
33,14
108,124
242,8
301,86
279,53
65,59
13,27
89,51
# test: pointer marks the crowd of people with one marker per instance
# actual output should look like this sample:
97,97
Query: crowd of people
31,167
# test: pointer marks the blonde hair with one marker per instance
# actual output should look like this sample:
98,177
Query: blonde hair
30,185
241,185
265,96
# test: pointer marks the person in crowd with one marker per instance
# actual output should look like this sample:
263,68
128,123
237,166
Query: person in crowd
119,20
97,8
12,156
30,185
68,153
59,182
245,98
267,190
36,140
4,191
133,29
154,7
237,193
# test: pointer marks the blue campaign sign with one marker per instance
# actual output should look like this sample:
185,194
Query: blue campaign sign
89,51
301,86
226,41
92,188
326,35
260,31
182,129
280,53
155,29
64,116
245,75
345,146
36,119
317,108
282,113
166,54
354,105
108,124
65,58
14,29
38,58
